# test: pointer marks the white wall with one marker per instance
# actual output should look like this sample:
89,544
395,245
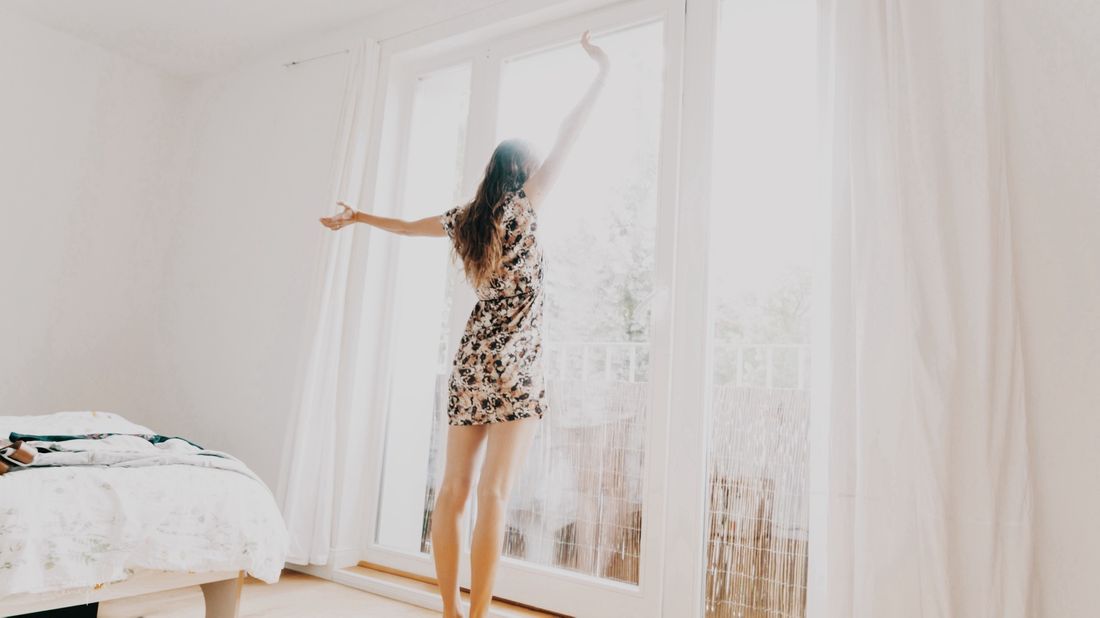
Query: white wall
1052,57
159,236
240,254
85,174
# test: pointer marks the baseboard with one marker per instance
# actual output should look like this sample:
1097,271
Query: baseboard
322,571
344,557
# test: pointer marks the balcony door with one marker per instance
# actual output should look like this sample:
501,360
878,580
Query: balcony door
683,242
583,531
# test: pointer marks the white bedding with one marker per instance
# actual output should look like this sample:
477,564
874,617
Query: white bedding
79,526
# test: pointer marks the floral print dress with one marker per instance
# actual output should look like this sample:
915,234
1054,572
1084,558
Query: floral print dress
497,371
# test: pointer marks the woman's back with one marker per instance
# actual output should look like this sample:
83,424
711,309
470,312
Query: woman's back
520,270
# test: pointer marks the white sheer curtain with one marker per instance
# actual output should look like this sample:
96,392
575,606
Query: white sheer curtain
926,508
320,455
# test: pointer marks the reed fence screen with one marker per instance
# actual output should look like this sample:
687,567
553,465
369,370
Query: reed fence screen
577,505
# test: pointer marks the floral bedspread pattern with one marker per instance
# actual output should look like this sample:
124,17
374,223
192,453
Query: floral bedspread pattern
78,526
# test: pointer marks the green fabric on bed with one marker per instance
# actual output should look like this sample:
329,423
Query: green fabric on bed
153,438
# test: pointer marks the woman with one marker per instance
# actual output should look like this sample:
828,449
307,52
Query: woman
496,385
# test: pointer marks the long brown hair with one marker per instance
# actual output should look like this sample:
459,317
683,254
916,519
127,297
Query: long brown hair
479,232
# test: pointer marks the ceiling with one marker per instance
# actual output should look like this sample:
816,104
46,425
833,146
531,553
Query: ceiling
194,37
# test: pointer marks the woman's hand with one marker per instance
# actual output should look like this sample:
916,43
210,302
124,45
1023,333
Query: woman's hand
595,52
335,222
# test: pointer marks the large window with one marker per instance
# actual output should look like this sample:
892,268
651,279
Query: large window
668,477
577,512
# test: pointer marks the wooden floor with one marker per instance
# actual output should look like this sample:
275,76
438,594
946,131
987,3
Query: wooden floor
295,596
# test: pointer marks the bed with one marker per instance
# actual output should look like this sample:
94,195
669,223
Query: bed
78,534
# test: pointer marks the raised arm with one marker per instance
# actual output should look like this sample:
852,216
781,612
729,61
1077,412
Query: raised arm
540,183
428,226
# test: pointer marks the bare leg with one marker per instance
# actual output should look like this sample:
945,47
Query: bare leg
223,599
463,446
509,443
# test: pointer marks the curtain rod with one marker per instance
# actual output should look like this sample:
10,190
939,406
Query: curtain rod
295,62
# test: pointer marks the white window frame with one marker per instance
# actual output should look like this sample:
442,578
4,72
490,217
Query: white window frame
672,578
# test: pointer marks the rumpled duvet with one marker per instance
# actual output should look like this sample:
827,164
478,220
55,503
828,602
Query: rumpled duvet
130,451
107,507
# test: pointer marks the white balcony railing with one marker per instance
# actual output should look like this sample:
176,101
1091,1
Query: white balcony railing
767,365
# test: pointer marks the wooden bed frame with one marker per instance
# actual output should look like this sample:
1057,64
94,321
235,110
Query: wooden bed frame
220,589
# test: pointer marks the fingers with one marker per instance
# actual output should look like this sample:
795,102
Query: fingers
332,224
336,222
594,51
586,40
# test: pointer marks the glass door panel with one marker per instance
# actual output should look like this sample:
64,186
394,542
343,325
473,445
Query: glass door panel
763,238
578,504
574,537
432,182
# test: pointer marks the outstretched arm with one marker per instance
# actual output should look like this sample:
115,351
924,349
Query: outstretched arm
428,226
540,183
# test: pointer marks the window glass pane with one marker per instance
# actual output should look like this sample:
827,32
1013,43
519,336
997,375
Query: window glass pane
431,184
578,505
762,247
